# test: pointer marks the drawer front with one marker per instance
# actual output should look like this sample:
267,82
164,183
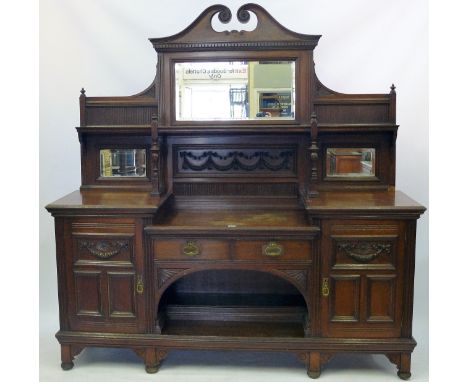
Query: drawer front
191,249
278,250
95,248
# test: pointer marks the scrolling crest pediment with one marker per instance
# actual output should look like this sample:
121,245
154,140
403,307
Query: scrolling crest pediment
268,33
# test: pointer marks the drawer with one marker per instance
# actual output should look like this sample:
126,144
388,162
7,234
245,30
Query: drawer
364,244
191,249
273,250
103,248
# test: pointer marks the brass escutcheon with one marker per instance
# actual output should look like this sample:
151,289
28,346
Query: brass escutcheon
191,249
325,287
139,285
272,249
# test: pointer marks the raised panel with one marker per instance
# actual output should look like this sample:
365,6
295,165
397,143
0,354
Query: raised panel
344,298
88,293
364,252
121,289
380,298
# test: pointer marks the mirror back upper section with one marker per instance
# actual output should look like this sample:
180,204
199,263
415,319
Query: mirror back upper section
258,77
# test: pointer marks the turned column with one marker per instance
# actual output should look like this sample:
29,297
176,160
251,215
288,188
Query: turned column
312,191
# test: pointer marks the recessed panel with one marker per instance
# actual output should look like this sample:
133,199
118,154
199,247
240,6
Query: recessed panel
88,293
381,298
121,294
344,295
235,90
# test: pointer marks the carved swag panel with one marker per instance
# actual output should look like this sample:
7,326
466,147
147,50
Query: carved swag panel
211,161
364,252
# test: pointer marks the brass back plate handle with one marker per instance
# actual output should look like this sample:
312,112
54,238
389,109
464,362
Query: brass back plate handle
272,249
191,249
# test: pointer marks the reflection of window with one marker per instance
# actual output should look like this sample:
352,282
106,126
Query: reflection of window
123,162
230,90
359,162
238,101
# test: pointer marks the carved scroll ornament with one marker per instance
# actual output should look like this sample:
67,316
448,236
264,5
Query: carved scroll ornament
104,249
364,251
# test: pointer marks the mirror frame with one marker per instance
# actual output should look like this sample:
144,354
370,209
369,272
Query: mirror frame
257,94
375,179
303,75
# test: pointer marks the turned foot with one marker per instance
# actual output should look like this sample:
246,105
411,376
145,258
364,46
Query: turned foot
67,365
404,367
152,369
67,354
313,374
404,375
314,367
153,359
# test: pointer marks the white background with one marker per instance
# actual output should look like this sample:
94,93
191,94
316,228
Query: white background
102,46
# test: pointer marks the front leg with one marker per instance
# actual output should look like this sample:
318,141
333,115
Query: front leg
67,357
404,366
314,366
153,359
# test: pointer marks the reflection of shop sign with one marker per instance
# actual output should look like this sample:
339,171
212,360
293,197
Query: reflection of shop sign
215,74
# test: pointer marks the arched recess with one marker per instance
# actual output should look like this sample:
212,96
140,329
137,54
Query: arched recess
243,297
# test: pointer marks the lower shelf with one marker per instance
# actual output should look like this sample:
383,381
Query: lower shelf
233,328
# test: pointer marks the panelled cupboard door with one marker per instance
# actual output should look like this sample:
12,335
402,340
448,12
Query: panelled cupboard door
105,277
362,278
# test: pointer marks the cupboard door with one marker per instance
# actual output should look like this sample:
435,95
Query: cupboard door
362,278
106,290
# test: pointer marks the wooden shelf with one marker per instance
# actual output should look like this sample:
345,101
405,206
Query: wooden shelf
238,315
236,299
233,328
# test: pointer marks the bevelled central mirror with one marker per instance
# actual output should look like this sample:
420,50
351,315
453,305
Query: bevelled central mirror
235,90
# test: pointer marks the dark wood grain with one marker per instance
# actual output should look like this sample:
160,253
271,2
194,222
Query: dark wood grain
237,238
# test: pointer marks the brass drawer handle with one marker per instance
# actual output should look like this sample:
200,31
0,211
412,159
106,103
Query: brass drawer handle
191,249
272,249
325,287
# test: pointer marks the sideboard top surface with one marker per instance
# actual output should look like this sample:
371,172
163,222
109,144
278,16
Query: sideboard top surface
109,200
375,201
95,201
